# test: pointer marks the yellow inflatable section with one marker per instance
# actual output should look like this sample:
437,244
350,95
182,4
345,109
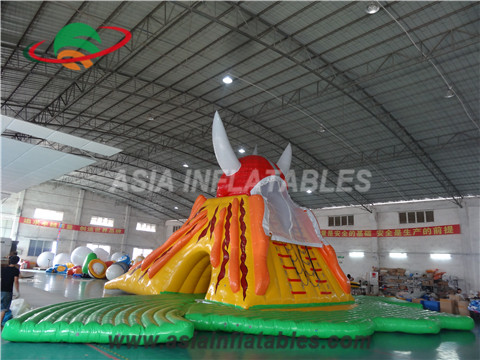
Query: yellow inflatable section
222,251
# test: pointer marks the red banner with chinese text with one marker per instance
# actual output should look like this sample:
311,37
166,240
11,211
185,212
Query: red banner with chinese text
56,225
418,231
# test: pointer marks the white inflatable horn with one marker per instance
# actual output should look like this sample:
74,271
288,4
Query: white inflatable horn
224,153
285,160
255,151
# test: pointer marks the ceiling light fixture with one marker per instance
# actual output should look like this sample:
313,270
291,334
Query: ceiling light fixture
151,118
185,165
396,255
372,8
450,93
176,207
227,79
241,150
309,191
356,254
440,256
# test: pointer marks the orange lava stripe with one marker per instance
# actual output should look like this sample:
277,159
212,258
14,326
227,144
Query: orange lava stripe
299,292
196,206
217,239
134,268
260,245
294,280
321,281
226,243
243,248
176,235
175,249
156,260
315,269
283,256
210,226
212,223
234,267
289,267
330,257
279,244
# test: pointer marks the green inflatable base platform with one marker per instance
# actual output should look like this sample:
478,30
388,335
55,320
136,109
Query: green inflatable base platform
156,318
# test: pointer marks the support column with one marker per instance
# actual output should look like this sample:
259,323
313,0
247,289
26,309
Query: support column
125,226
76,220
470,249
18,214
375,254
376,243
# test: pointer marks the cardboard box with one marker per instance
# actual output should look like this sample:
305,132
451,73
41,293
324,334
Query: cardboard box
463,308
456,297
447,306
417,301
427,283
464,312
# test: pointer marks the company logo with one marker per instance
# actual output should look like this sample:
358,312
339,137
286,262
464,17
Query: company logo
77,35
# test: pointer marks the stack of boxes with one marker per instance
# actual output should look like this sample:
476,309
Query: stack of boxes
442,289
394,280
455,304
427,279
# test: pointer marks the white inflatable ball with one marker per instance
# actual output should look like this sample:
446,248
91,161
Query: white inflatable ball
45,259
79,255
115,270
116,256
62,258
101,254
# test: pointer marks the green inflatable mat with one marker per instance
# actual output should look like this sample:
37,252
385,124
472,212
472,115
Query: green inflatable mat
164,315
98,320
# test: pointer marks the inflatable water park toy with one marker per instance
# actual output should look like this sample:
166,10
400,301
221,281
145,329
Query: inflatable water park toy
249,260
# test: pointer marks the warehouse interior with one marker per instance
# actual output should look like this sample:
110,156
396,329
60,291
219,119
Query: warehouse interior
378,102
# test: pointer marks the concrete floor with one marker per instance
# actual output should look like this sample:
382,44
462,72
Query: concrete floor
40,289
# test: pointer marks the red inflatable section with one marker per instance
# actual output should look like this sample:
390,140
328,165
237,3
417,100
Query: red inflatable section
253,169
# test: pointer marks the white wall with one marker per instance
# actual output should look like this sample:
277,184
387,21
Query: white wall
78,207
464,247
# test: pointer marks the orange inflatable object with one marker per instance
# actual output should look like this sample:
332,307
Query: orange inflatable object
97,269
